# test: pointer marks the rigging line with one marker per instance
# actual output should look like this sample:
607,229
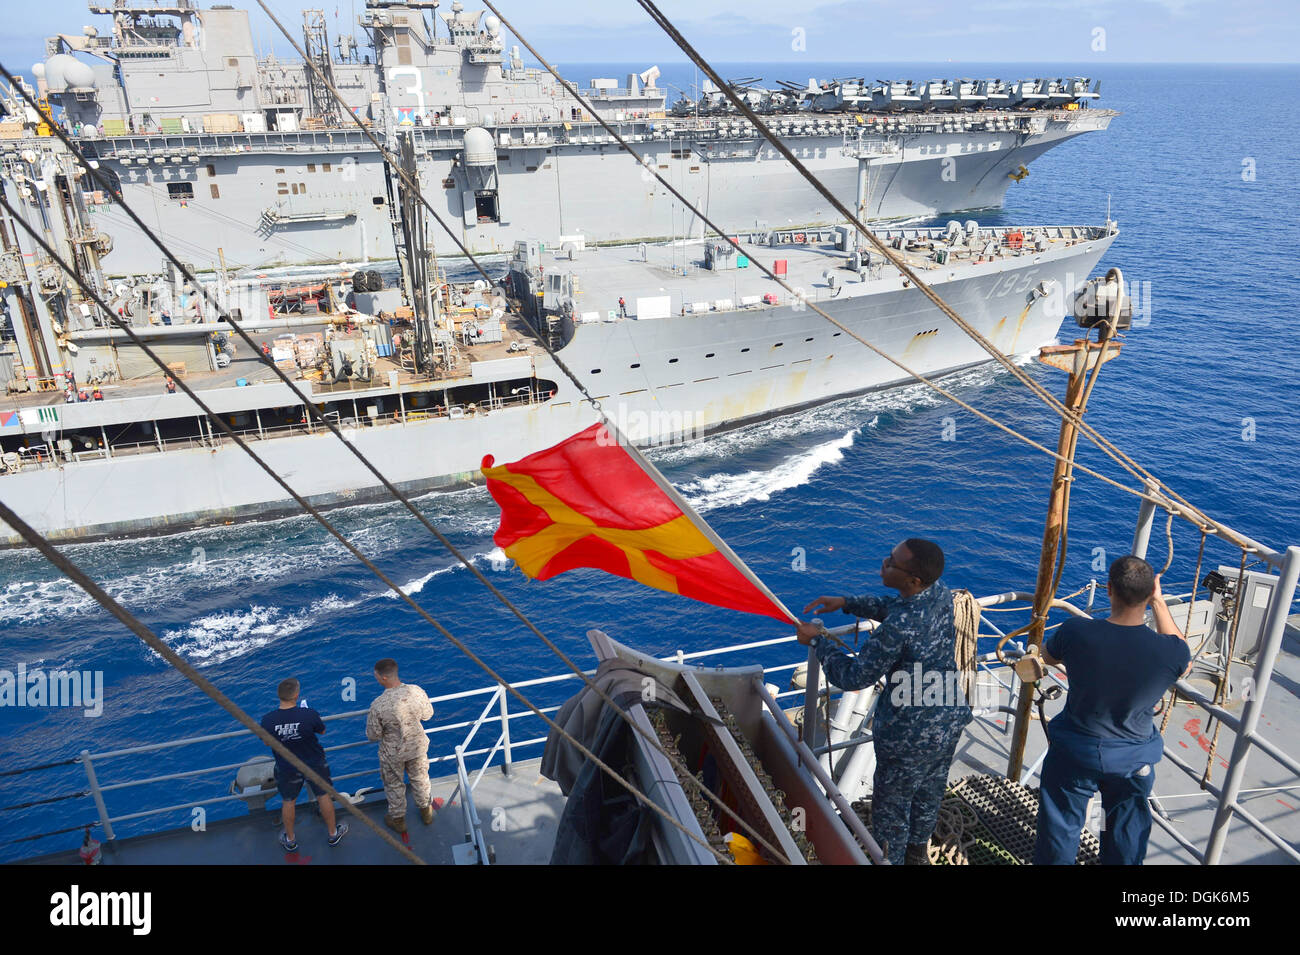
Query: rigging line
781,282
1035,387
313,411
413,184
663,22
155,191
351,548
604,124
563,367
217,216
179,663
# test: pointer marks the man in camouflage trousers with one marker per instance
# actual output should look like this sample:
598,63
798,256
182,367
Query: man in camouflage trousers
395,722
922,711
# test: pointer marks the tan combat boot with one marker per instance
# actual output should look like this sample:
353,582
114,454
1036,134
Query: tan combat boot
426,814
396,824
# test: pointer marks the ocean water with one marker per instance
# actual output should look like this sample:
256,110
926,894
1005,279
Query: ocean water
1205,395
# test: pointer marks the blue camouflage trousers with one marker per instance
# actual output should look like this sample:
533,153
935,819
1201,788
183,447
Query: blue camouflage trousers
906,794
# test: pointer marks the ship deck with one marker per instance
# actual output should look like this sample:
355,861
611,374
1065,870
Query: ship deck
253,370
646,275
527,804
519,812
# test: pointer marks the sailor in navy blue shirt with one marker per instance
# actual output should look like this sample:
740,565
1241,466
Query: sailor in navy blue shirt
297,728
1106,738
921,713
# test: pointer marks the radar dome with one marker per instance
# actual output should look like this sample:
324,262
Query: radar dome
79,75
38,70
56,68
480,149
493,25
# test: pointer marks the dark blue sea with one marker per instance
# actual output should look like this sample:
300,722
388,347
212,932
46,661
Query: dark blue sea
1205,395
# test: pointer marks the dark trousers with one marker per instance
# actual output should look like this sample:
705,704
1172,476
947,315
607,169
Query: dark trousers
1074,770
906,794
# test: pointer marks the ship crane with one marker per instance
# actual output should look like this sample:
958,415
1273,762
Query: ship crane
315,41
410,238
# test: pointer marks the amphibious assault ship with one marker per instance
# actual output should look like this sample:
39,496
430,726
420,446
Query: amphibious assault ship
257,157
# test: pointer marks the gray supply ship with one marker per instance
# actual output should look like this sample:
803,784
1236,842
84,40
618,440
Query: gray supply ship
222,149
675,340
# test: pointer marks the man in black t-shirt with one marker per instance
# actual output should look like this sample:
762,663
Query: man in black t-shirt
297,728
1106,739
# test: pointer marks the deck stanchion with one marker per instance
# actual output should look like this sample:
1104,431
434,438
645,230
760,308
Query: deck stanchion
505,732
97,795
811,737
1274,630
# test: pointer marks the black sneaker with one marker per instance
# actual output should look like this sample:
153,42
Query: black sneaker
287,844
340,831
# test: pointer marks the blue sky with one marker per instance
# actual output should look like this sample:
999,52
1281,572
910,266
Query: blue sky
1004,31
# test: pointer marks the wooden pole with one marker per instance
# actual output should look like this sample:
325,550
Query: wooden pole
1077,359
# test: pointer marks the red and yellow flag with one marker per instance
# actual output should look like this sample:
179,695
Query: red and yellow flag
590,502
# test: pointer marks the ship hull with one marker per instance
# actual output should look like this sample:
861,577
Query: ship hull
667,380
326,201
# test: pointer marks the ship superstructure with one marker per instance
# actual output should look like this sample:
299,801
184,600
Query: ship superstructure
256,156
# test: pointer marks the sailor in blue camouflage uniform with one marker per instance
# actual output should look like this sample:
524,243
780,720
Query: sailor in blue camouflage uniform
922,711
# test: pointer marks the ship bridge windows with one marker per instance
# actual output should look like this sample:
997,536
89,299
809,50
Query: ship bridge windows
180,190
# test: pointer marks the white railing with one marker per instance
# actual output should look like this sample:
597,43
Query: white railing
505,745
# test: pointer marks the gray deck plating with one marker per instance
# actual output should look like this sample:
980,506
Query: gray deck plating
526,805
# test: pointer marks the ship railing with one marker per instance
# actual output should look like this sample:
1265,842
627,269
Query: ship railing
39,456
496,716
1244,726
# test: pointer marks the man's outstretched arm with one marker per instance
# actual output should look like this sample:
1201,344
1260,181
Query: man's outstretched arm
866,606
